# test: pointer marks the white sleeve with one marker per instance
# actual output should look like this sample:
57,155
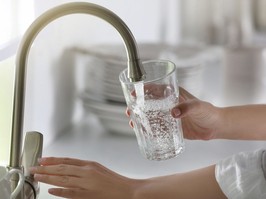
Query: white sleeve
243,176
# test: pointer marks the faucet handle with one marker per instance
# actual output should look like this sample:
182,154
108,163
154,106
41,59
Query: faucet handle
32,150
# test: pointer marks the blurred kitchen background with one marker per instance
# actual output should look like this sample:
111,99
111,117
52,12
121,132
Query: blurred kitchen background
219,47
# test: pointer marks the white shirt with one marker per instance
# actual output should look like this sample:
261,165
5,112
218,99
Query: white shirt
243,176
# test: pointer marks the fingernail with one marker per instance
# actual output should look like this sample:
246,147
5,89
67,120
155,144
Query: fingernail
38,177
52,191
131,124
32,169
40,160
176,112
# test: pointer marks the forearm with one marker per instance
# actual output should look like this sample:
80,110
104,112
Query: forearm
200,184
243,123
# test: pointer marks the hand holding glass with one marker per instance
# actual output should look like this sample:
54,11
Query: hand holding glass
150,102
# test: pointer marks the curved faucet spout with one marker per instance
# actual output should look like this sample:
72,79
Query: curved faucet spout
136,72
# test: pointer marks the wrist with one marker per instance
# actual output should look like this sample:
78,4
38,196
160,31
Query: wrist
223,123
214,122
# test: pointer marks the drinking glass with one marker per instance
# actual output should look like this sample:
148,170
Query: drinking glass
150,101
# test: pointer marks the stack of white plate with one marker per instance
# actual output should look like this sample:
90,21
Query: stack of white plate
103,94
111,114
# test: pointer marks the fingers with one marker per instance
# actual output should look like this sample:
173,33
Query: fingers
127,112
58,175
188,103
70,176
185,108
185,95
64,172
56,161
61,169
61,181
176,112
131,124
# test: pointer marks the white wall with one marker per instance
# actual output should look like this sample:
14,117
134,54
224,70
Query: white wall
51,93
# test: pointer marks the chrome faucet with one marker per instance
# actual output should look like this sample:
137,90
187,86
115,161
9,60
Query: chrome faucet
33,140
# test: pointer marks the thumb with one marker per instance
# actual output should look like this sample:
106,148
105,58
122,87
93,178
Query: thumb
185,108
